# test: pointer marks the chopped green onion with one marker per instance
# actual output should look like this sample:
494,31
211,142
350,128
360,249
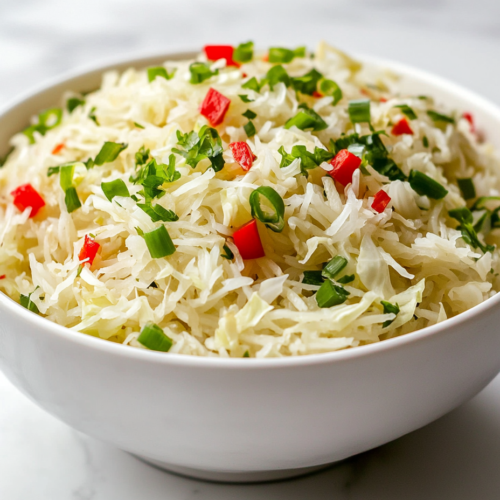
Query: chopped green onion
246,354
425,141
138,125
159,243
389,309
406,110
334,267
154,338
73,102
359,111
313,278
308,160
438,117
245,98
308,83
115,188
467,188
330,295
200,72
228,254
93,116
142,156
426,186
25,301
252,84
281,55
66,177
330,88
249,129
109,152
243,53
480,202
307,118
47,120
71,199
462,214
249,114
348,278
275,220
159,71
276,75
158,213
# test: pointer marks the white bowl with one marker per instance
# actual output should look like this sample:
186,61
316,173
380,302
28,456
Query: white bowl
249,419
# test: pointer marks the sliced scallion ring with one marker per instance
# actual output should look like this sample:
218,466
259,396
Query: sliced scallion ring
330,295
71,199
154,338
159,243
426,186
359,111
330,88
334,267
274,221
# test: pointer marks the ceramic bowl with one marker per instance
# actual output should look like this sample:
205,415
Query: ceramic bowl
249,419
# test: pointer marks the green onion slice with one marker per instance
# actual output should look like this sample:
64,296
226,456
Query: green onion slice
249,114
313,278
425,141
159,243
480,202
25,301
73,102
389,308
276,75
330,88
274,220
200,72
406,110
115,188
159,71
228,254
243,53
334,267
249,129
307,118
348,278
245,98
330,295
281,55
109,152
71,199
462,214
154,338
359,111
93,116
158,213
467,188
66,177
438,117
426,186
252,84
308,83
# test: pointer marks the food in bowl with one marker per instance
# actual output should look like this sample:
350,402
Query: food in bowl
250,204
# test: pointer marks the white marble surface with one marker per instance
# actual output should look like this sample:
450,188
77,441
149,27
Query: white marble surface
454,458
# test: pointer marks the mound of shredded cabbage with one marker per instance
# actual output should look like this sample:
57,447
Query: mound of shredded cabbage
416,263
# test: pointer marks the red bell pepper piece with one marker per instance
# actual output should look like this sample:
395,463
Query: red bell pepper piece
380,201
89,250
2,277
401,128
214,107
344,165
216,52
470,119
317,94
26,196
58,148
247,239
383,99
242,154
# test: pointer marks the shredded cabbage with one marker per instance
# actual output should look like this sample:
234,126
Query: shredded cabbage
413,254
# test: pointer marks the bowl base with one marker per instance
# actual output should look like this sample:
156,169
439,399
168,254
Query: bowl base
233,477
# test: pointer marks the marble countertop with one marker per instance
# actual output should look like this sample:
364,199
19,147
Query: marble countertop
453,458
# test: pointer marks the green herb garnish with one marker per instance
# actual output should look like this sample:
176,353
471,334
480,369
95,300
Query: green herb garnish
426,186
159,243
73,102
154,338
389,309
159,71
305,119
200,72
273,219
330,295
243,53
467,188
115,188
406,110
281,55
249,114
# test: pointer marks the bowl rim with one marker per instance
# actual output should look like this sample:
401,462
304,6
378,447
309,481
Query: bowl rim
106,347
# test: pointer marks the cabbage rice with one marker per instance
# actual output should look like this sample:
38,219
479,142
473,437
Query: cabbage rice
128,213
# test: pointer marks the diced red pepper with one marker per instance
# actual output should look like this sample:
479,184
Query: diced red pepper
247,239
58,148
401,128
470,119
27,196
317,94
380,201
242,154
265,57
243,75
383,99
214,107
216,52
89,250
365,92
2,277
344,165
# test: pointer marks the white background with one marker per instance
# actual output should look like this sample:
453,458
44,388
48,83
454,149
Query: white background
455,458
